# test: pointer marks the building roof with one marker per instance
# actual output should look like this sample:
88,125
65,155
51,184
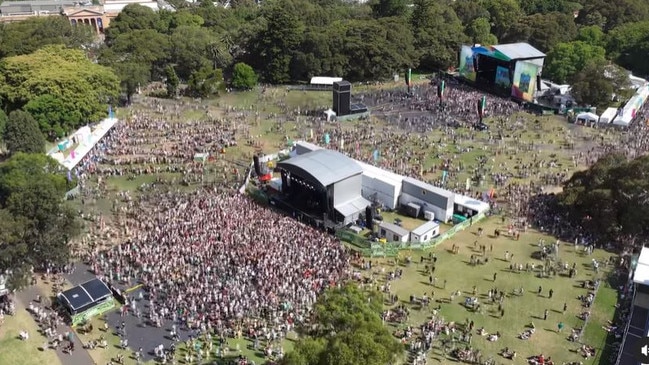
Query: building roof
85,294
474,204
641,273
320,80
307,146
518,51
425,228
394,228
378,173
351,207
323,166
428,187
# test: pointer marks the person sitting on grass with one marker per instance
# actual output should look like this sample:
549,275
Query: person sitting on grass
493,337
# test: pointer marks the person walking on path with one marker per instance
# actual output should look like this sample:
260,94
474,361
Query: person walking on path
545,315
550,293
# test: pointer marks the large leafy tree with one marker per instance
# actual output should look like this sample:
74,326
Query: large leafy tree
205,82
378,48
388,8
504,15
279,41
134,17
3,123
438,34
82,87
194,47
33,33
243,77
22,134
544,31
35,224
599,91
612,13
346,330
610,199
479,31
565,60
628,44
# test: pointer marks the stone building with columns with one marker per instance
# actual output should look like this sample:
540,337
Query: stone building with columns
96,16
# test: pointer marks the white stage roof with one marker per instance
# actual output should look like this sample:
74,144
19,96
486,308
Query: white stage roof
516,51
321,80
592,117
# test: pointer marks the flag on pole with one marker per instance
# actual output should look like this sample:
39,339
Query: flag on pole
110,112
376,155
440,89
327,138
468,184
358,147
311,134
69,176
72,154
444,176
342,144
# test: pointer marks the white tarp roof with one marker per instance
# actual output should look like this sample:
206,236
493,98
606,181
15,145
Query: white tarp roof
516,51
588,116
641,274
322,80
82,150
473,204
353,206
608,115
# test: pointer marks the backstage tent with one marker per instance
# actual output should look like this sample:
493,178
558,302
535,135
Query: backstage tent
608,116
587,117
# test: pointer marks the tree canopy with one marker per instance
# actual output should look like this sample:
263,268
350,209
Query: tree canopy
346,329
60,86
22,134
35,223
610,199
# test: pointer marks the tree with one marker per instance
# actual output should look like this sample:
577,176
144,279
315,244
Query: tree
544,31
612,82
83,88
347,330
277,43
504,15
628,45
3,123
609,200
205,82
172,81
133,17
388,8
480,32
36,224
438,34
22,134
29,35
243,77
566,59
592,35
612,13
195,47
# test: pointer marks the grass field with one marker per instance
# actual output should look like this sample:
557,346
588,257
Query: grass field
520,311
15,351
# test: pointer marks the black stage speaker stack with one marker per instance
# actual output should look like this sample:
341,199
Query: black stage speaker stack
255,160
342,95
369,218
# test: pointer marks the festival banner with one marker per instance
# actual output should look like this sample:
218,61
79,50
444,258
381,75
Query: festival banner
524,80
466,67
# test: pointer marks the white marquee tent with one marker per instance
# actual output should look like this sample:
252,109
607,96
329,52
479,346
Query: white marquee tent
587,117
608,116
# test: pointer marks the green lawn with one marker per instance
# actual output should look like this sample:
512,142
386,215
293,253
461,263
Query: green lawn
15,351
519,310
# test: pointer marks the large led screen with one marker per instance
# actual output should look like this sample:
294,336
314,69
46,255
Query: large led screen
467,69
524,80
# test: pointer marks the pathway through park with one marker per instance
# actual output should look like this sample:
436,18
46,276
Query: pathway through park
79,356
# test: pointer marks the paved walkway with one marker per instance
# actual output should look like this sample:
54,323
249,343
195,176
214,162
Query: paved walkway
80,356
